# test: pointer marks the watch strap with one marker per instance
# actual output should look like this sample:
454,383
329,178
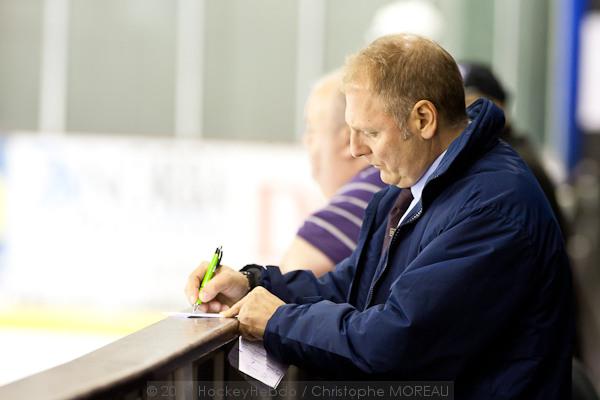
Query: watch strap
253,273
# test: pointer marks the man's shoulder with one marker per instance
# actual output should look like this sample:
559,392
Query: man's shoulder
501,182
504,170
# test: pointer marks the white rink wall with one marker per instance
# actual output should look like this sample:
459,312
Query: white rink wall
119,222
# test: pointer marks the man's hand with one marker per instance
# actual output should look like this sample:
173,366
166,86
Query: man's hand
225,288
254,311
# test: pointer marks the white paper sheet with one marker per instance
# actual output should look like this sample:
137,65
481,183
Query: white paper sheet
194,315
255,361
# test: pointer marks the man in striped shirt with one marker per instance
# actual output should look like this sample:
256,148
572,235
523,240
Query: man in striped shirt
329,235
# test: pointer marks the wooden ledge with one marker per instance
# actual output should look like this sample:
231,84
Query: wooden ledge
137,355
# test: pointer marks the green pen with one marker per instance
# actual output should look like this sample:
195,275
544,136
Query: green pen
210,271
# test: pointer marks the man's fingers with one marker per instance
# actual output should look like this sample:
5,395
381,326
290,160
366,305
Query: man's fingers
245,332
214,307
234,309
216,285
193,283
248,331
191,289
203,308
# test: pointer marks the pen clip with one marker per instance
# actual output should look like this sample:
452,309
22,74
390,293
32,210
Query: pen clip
220,258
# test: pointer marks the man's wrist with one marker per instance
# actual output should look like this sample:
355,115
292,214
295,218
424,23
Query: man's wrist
252,272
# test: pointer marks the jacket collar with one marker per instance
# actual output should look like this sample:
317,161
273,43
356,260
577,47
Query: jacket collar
486,123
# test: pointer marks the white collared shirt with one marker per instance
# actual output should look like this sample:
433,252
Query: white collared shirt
417,188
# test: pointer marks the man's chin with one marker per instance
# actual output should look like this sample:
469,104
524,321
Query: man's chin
393,180
386,178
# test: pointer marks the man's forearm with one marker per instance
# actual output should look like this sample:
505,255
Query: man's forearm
303,286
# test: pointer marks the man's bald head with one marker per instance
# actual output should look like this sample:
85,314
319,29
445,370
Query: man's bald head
403,69
327,136
331,101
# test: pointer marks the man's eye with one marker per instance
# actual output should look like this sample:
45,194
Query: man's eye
371,133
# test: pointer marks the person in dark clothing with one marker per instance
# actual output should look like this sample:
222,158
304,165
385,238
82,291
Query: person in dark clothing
480,81
460,272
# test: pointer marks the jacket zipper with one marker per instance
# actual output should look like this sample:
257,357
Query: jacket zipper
372,288
411,220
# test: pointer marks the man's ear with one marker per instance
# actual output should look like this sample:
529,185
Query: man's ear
424,118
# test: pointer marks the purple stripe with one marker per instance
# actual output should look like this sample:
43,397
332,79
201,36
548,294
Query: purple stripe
335,250
334,229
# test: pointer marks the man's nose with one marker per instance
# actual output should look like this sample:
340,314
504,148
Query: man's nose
357,147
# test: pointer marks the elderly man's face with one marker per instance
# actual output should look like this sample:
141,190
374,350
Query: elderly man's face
401,156
324,139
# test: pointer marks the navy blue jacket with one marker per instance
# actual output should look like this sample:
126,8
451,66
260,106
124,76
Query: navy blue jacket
475,289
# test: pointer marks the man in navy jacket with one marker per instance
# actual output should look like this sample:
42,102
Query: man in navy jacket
472,283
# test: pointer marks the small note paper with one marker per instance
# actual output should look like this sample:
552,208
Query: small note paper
255,361
195,315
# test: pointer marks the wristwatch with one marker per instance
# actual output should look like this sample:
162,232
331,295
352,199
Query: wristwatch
252,273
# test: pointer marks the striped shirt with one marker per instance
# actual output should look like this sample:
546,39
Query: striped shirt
334,228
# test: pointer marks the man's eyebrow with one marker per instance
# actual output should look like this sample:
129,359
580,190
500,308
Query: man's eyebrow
367,129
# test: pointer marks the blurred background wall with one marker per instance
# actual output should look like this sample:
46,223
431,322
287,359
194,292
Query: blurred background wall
159,67
139,133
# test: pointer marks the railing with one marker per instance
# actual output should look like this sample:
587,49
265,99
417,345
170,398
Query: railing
177,350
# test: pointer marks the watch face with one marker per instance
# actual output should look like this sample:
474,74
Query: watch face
250,277
252,272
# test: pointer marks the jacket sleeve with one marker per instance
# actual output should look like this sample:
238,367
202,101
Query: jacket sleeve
303,286
448,304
